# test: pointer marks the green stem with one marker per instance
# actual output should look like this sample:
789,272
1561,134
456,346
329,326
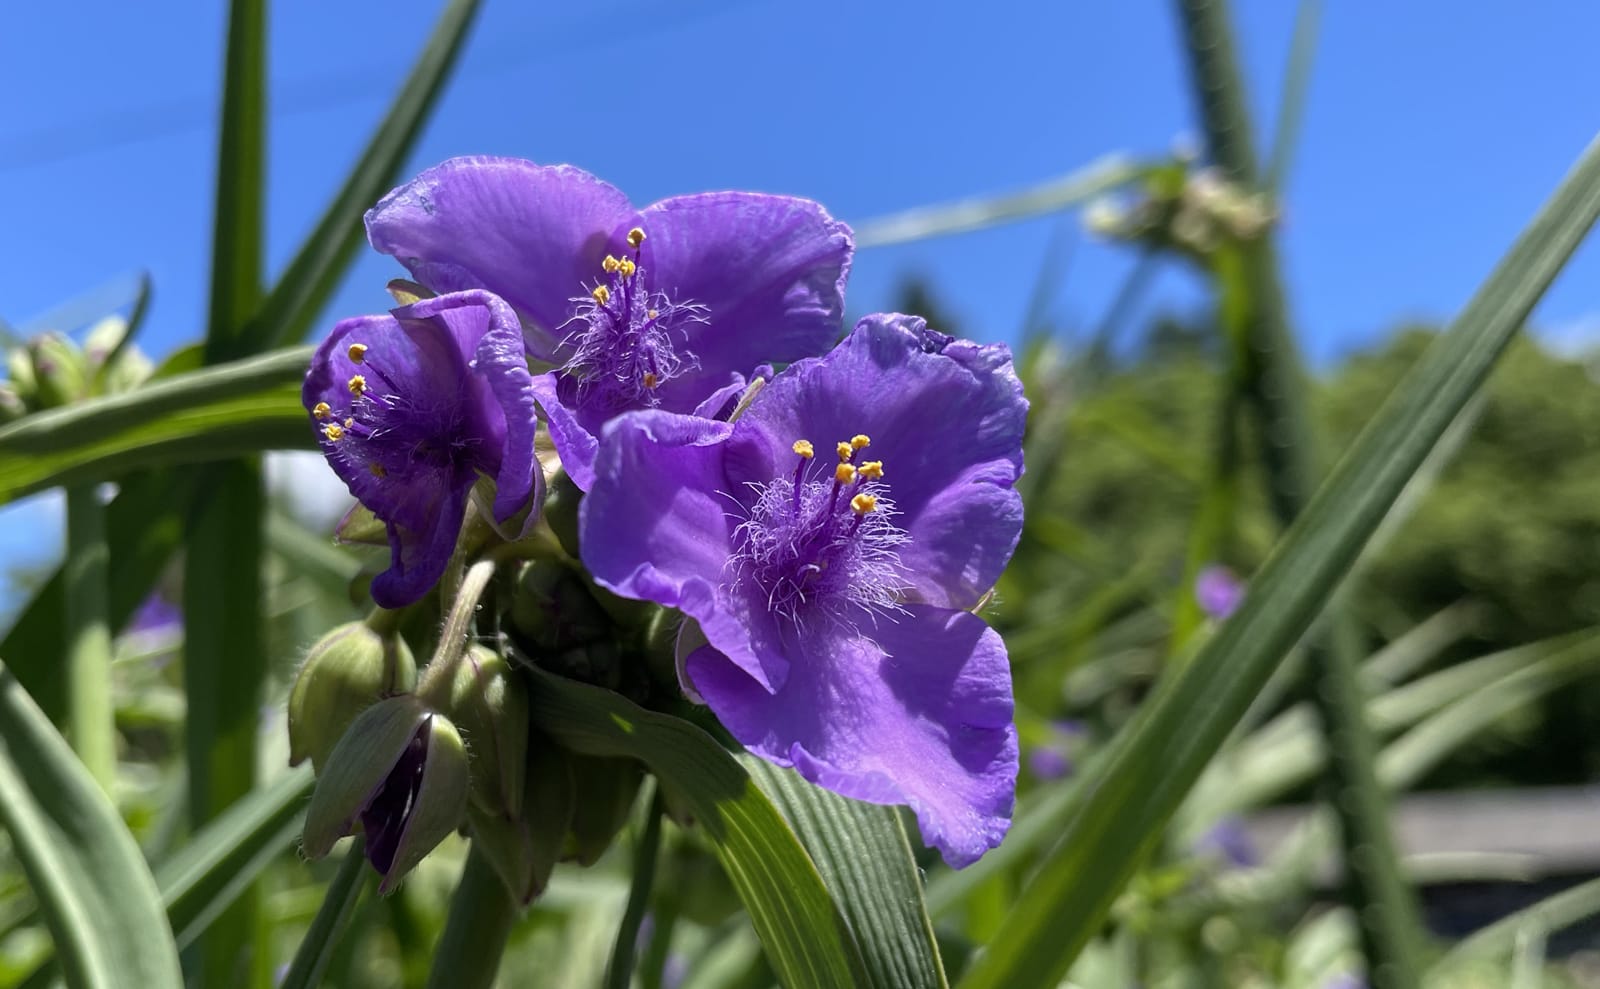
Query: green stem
619,973
474,938
91,715
434,687
338,903
1385,909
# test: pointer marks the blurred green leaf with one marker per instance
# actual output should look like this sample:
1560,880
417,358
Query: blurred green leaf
865,858
338,903
240,407
94,889
806,938
1551,914
219,861
1164,750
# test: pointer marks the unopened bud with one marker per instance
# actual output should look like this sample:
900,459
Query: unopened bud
552,610
401,772
489,703
524,849
60,371
605,791
347,671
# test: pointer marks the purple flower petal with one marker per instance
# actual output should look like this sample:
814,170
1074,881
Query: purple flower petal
656,526
919,713
531,234
946,425
1217,591
770,270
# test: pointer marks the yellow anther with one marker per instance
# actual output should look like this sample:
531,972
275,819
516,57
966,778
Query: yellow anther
357,384
601,294
349,424
333,431
652,313
626,267
358,352
860,440
844,473
846,451
872,470
610,264
635,238
804,448
651,379
864,503
376,470
322,410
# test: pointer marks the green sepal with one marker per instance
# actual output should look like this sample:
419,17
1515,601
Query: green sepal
363,758
441,803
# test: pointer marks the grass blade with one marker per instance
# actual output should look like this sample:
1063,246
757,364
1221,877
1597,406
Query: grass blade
865,858
1163,751
242,406
806,939
327,252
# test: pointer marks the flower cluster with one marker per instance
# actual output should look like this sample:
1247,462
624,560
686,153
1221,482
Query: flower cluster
827,533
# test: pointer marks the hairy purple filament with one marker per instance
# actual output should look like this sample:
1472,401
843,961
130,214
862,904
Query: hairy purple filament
388,432
821,547
623,347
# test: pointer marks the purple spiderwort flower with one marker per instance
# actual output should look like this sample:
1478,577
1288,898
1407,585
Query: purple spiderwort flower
1055,759
671,307
410,408
834,592
1218,591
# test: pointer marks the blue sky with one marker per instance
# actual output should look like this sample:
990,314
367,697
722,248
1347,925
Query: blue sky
1432,132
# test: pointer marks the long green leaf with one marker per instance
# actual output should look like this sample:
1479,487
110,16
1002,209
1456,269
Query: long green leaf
94,889
1549,915
1179,730
144,525
312,275
338,903
806,938
240,407
219,861
866,860
238,236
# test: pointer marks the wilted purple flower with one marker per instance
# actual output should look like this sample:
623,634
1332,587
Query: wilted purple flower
410,408
1218,591
834,591
670,307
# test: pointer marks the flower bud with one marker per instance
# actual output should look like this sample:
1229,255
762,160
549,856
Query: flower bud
552,610
524,849
561,511
12,407
489,703
347,671
60,372
401,771
605,790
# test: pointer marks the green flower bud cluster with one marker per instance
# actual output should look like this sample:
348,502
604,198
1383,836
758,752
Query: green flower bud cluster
1193,211
50,371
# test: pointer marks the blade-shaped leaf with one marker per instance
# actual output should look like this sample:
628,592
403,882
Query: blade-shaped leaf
1163,751
94,889
806,938
239,407
866,860
315,271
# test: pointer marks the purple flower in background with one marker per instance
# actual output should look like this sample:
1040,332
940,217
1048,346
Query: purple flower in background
829,545
1054,759
1345,980
1230,840
410,408
1218,591
670,307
